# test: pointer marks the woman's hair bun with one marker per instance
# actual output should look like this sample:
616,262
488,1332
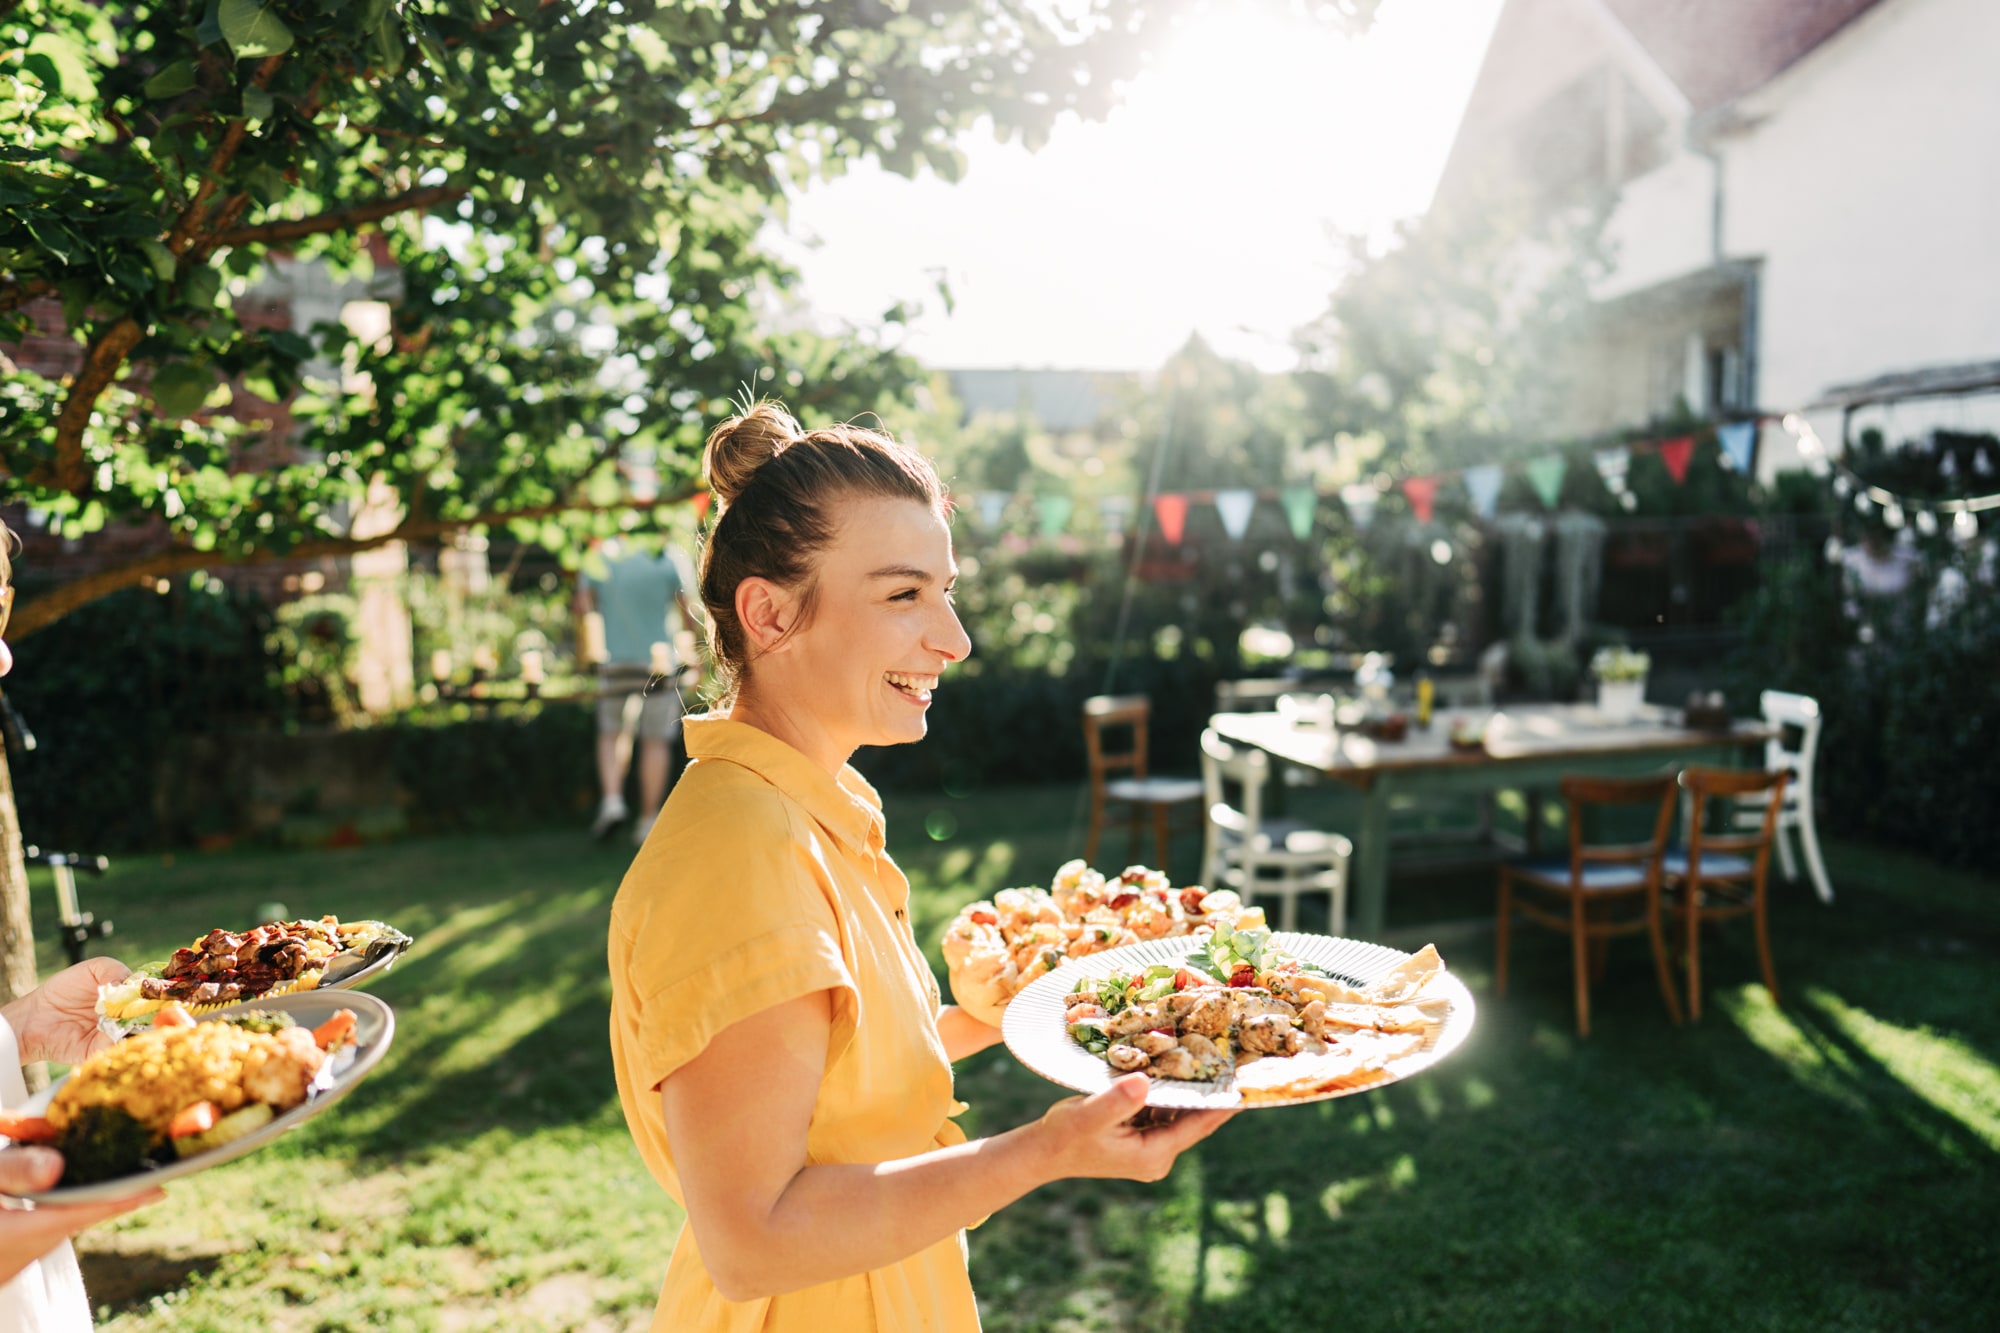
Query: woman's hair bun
741,445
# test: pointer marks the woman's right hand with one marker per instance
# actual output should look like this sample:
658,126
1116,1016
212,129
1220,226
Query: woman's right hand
28,1233
1096,1135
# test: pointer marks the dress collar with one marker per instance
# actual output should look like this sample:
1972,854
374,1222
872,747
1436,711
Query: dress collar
848,807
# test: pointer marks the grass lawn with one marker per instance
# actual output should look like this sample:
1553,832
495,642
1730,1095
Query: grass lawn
1830,1163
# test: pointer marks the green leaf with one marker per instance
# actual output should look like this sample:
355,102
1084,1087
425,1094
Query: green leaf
258,104
172,80
61,66
179,389
389,45
201,287
161,258
209,31
253,29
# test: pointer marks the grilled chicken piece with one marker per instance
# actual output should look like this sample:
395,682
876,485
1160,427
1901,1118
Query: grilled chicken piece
1126,1059
1265,1034
1155,1043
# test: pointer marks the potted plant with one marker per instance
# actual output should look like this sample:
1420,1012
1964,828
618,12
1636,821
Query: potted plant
1621,681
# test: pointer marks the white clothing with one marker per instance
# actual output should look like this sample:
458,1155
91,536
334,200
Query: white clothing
47,1296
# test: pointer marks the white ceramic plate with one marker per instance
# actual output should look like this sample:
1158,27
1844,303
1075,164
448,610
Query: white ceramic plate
1035,1033
374,1028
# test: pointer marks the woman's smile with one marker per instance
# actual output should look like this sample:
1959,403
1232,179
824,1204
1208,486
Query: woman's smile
913,687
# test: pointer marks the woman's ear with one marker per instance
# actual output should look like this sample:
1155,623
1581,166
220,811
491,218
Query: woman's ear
767,611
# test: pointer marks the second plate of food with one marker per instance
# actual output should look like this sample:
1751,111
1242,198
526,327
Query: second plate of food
132,1116
1241,1018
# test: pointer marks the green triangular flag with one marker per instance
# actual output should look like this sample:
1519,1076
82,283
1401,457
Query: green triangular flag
1055,510
1546,476
1299,503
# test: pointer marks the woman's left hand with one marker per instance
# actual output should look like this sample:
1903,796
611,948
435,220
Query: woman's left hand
58,1019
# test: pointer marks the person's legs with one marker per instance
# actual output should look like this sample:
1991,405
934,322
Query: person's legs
614,760
659,725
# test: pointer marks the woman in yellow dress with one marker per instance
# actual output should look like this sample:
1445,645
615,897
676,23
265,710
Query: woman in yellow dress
783,1055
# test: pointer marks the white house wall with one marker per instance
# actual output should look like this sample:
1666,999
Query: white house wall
1871,189
1663,227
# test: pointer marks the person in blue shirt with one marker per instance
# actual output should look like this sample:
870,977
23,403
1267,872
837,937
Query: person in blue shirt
640,599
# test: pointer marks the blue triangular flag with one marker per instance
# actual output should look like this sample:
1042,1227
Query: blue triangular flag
1482,483
1738,439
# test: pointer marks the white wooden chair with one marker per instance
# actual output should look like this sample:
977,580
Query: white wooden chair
1798,719
1257,856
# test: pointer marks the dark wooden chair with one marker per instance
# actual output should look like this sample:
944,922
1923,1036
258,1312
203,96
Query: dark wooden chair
1114,741
1720,875
1598,890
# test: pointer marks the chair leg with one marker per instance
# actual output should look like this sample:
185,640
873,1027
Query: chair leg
1096,835
1661,969
1786,866
1763,920
1503,921
1815,863
1691,915
1579,939
1600,950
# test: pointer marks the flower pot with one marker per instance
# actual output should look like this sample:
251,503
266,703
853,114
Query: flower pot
1621,700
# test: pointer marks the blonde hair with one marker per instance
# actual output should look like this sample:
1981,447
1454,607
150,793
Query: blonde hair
775,487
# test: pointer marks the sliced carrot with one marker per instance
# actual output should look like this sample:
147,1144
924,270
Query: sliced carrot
196,1118
335,1030
27,1128
172,1015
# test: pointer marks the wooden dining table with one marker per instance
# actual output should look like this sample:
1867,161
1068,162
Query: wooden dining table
1526,748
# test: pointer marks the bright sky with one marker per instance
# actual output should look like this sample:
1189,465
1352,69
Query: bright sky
1203,203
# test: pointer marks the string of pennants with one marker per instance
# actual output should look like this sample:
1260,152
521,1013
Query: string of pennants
1235,506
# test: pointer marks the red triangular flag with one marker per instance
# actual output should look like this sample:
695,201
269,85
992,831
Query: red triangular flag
1171,510
1421,491
1676,455
701,503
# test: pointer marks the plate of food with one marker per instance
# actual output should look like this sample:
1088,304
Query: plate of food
193,1092
1241,1018
996,947
277,958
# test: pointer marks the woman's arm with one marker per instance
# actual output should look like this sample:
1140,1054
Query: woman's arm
766,1222
963,1034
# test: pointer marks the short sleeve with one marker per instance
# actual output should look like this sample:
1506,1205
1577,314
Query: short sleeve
698,957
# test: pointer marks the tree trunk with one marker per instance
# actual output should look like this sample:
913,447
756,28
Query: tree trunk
17,928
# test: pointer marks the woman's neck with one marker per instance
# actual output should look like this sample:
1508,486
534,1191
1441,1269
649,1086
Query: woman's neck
796,727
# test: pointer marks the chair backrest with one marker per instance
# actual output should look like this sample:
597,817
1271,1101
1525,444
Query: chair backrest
1107,719
1580,793
1247,769
1796,746
1706,785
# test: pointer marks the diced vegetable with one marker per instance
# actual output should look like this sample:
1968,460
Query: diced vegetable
172,1015
228,1129
27,1128
102,1143
198,1118
262,1020
336,1031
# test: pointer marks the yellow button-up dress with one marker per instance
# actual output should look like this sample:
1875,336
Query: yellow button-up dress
764,880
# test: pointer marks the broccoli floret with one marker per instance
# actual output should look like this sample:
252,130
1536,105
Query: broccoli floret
261,1020
103,1143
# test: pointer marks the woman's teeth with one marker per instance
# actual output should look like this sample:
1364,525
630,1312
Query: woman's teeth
917,685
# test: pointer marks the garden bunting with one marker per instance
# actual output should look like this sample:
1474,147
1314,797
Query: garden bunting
1545,474
1612,465
1234,508
702,499
1112,511
1738,439
1422,491
1299,503
1055,511
1171,510
1482,483
1360,501
1675,454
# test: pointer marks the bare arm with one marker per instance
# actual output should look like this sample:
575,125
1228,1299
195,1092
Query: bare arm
963,1034
766,1222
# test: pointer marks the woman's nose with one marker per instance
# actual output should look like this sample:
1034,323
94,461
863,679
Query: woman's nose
950,640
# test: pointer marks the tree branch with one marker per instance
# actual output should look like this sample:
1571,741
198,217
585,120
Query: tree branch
341,219
101,364
53,605
182,238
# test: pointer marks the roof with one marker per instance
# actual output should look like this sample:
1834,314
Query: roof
1715,51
